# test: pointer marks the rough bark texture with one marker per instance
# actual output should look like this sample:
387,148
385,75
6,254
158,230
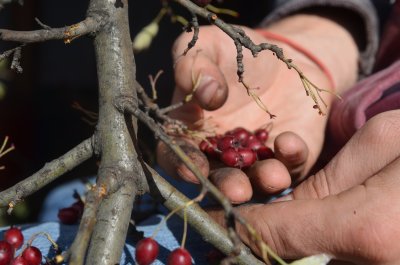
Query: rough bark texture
120,172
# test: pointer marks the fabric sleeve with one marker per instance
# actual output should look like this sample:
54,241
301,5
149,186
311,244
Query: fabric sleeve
363,10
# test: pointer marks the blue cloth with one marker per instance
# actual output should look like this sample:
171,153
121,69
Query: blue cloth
169,236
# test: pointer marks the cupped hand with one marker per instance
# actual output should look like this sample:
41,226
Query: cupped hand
348,210
221,103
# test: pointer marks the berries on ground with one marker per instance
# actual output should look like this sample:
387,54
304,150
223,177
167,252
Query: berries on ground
179,256
72,214
14,236
238,148
6,252
32,255
68,216
146,251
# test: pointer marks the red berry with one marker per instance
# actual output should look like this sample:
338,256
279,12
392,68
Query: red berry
146,251
209,147
261,134
19,261
32,255
201,3
68,215
247,157
6,252
214,256
230,157
78,206
228,141
254,143
241,134
179,256
14,236
264,152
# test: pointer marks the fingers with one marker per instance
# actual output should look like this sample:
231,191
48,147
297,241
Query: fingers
269,177
233,183
292,151
272,176
173,165
347,209
370,149
199,69
358,225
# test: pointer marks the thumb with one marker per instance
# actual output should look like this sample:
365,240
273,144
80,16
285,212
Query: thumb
367,152
198,72
300,228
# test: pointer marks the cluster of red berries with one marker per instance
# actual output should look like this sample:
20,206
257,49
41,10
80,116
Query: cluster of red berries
12,241
238,148
72,214
147,252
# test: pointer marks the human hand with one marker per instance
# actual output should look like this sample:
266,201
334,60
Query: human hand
348,209
221,102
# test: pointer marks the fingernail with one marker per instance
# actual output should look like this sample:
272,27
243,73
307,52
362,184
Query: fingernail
207,90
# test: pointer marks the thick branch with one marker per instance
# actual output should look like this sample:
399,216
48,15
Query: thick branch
47,174
68,33
209,230
120,172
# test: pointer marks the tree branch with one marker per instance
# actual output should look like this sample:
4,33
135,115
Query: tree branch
210,231
242,40
47,174
120,172
90,25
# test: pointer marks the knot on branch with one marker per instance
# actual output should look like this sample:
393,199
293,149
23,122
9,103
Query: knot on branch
110,179
100,17
123,103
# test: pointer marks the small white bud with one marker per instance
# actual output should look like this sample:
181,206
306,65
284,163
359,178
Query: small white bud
144,38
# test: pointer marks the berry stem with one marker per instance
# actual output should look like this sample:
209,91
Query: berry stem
47,235
184,228
197,199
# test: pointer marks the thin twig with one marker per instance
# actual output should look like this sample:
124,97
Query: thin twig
194,23
240,39
206,184
197,218
42,24
47,174
81,242
68,33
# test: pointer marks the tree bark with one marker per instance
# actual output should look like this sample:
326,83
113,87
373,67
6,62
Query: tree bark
120,171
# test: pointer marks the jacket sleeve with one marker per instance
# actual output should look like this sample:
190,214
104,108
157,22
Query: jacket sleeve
363,10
